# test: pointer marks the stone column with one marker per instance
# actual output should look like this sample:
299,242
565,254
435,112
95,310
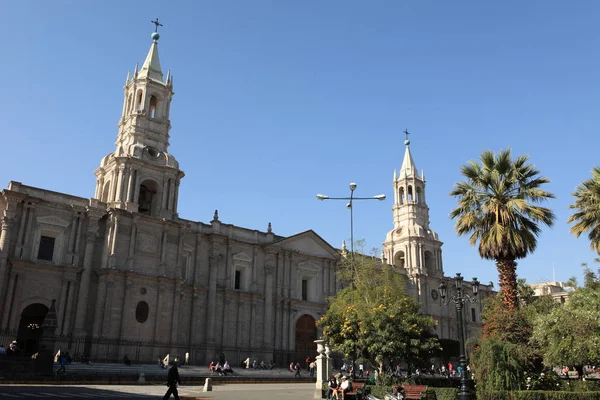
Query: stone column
268,322
323,366
99,313
84,285
213,263
176,305
7,226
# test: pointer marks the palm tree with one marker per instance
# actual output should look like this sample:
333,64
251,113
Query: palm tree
497,207
587,202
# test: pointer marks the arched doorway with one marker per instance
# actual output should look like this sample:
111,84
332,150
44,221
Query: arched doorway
30,327
306,334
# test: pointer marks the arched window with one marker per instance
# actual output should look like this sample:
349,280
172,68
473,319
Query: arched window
129,101
139,104
402,195
410,193
429,262
153,106
105,192
147,197
141,312
399,259
418,197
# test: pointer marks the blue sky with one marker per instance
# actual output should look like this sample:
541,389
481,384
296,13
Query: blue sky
277,101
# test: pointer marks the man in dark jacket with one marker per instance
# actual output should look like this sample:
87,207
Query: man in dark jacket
172,381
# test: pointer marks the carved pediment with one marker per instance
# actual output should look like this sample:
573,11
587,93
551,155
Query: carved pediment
308,243
242,258
309,266
52,220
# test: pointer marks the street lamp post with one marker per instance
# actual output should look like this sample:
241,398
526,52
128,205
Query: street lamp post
459,300
350,205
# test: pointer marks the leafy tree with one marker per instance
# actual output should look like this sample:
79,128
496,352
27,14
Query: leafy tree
374,320
497,206
499,365
505,352
570,334
587,204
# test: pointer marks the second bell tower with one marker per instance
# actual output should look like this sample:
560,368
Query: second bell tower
140,175
412,245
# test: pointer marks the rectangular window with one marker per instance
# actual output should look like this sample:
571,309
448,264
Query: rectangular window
238,280
46,250
473,316
304,289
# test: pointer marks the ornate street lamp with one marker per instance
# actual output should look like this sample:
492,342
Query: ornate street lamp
459,300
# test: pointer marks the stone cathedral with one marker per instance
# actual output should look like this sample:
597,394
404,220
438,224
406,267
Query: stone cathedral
416,251
126,275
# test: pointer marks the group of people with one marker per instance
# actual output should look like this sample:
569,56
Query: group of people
12,350
220,369
338,389
255,364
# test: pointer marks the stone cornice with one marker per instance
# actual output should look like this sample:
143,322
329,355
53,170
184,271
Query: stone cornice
44,267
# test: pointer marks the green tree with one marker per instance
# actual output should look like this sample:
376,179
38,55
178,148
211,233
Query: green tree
570,334
497,206
505,353
374,320
587,204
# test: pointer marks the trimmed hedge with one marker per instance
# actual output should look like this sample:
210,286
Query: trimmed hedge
538,395
432,393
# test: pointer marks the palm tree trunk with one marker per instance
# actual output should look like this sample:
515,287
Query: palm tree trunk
507,272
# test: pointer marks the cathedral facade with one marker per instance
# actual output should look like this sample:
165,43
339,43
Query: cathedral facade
127,276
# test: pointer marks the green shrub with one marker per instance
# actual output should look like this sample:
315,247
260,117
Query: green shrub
380,391
576,385
444,393
538,395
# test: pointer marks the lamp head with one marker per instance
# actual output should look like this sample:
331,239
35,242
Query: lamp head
475,286
458,279
352,186
349,205
443,290
322,197
379,197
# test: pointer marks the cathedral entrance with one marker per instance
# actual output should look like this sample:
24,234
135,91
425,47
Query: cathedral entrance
306,334
30,327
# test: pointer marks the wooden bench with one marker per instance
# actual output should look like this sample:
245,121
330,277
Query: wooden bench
416,392
356,386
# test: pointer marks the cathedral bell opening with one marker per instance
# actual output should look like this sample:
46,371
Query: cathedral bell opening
147,197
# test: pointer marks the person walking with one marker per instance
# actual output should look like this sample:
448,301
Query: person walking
297,369
172,381
63,361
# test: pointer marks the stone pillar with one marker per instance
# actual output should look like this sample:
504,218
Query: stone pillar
323,368
213,264
84,284
178,292
268,322
7,227
100,300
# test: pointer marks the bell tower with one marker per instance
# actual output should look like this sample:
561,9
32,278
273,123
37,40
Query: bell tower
140,175
412,245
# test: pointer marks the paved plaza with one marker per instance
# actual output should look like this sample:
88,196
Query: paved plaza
291,391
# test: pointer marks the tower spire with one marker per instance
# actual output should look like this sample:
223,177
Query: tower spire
408,165
151,68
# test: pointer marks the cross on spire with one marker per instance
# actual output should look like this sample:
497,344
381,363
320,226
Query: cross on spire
156,24
406,132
